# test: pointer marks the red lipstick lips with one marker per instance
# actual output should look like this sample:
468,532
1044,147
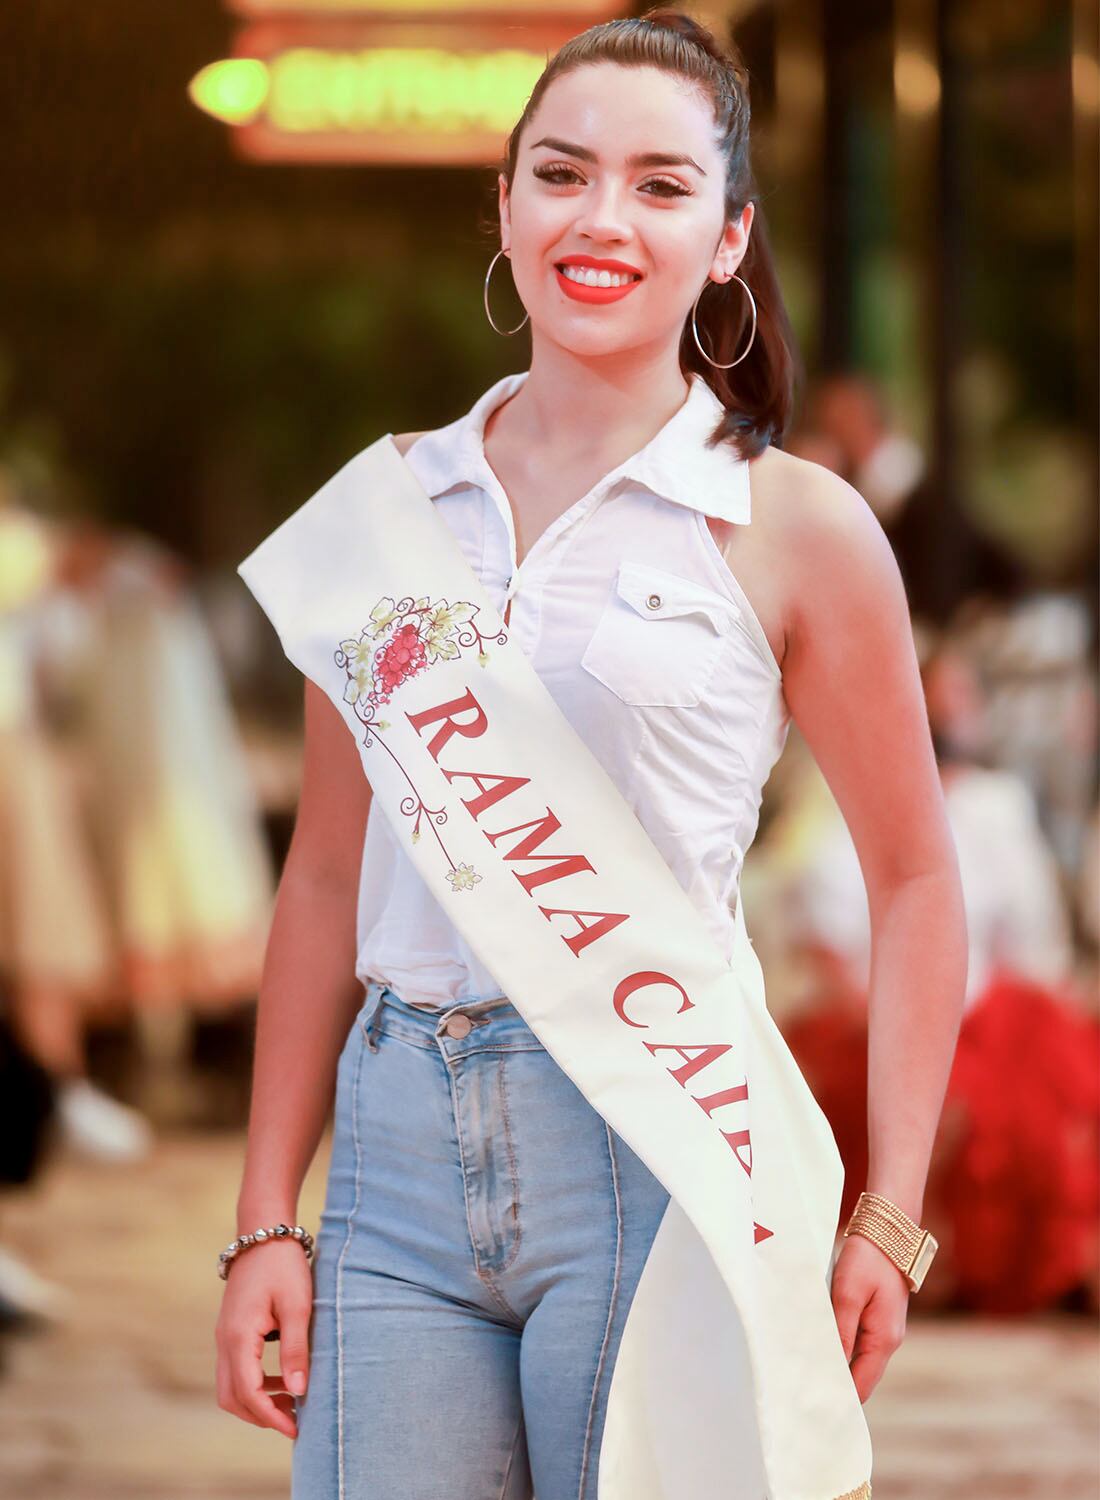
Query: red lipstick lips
596,294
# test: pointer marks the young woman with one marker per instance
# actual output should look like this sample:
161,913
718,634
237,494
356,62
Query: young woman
485,1229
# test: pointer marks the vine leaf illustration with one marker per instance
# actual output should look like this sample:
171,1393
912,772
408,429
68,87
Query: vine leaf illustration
404,638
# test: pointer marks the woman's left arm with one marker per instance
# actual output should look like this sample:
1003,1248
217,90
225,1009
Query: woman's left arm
853,686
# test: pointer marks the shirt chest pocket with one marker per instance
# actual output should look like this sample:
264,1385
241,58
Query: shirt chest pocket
659,637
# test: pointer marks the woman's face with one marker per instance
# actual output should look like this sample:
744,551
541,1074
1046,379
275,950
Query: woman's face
577,194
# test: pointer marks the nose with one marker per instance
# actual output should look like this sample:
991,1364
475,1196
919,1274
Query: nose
604,218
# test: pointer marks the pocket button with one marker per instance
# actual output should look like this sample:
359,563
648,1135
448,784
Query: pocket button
654,601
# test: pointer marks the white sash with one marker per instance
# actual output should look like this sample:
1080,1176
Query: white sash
730,1379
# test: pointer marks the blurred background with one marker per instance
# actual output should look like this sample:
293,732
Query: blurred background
245,239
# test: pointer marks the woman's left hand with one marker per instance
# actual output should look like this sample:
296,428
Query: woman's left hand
871,1302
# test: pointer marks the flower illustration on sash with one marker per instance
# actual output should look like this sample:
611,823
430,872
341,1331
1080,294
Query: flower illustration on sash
404,638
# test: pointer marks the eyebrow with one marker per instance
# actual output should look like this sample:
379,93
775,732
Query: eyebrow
640,159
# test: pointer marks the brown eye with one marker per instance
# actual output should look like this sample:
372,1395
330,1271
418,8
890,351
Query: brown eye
554,174
672,189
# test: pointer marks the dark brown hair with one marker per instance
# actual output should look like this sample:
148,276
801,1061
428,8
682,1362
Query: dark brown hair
758,392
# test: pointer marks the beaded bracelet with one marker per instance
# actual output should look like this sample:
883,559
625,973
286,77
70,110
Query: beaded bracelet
257,1237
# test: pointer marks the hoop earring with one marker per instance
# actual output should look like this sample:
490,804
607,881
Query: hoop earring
505,331
695,331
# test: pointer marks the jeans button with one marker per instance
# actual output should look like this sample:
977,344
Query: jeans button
459,1026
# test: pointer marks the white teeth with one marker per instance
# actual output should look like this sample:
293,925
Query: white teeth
587,276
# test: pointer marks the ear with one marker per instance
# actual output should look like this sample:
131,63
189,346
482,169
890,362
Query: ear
733,244
504,211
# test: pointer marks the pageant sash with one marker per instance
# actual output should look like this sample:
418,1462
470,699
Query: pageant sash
730,1381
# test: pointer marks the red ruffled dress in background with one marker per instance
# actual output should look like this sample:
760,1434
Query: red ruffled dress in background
1014,1190
829,1043
1019,1179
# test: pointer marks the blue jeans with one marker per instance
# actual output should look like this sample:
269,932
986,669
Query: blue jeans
483,1233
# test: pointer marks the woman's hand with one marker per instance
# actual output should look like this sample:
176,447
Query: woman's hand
269,1286
871,1301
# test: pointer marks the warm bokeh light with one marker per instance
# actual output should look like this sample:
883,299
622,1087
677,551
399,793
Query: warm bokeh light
386,88
1085,75
581,11
399,88
372,94
233,89
916,82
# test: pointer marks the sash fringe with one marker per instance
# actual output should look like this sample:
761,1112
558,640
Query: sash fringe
861,1492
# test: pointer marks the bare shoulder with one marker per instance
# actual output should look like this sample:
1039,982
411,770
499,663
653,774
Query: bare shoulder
403,441
805,500
841,583
818,523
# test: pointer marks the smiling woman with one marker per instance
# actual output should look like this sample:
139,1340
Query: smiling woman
581,1215
687,190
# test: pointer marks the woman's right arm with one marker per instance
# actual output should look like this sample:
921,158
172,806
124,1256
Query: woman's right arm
309,996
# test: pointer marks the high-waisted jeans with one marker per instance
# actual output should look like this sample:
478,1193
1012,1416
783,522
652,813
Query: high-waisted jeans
483,1233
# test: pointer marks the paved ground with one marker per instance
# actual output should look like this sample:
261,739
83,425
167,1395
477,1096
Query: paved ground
118,1403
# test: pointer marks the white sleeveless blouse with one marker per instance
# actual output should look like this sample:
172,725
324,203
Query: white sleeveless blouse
630,615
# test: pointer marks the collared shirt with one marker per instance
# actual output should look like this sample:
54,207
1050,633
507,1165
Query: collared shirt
629,613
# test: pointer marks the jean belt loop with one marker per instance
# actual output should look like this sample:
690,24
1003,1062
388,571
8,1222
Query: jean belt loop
369,1028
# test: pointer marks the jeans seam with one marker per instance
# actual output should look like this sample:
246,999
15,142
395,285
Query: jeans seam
483,1276
340,1277
612,1301
512,1456
486,1279
512,1165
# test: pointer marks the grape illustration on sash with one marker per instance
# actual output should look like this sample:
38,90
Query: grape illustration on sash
405,638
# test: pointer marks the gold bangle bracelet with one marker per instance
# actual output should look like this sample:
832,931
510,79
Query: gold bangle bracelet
901,1238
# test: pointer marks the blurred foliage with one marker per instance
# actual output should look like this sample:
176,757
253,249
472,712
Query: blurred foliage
206,403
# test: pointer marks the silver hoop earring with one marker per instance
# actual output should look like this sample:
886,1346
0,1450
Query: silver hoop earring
695,331
505,331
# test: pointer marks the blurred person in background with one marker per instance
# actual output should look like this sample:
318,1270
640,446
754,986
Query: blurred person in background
56,943
1016,1169
1033,645
135,880
849,413
1088,885
175,817
1035,658
57,955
